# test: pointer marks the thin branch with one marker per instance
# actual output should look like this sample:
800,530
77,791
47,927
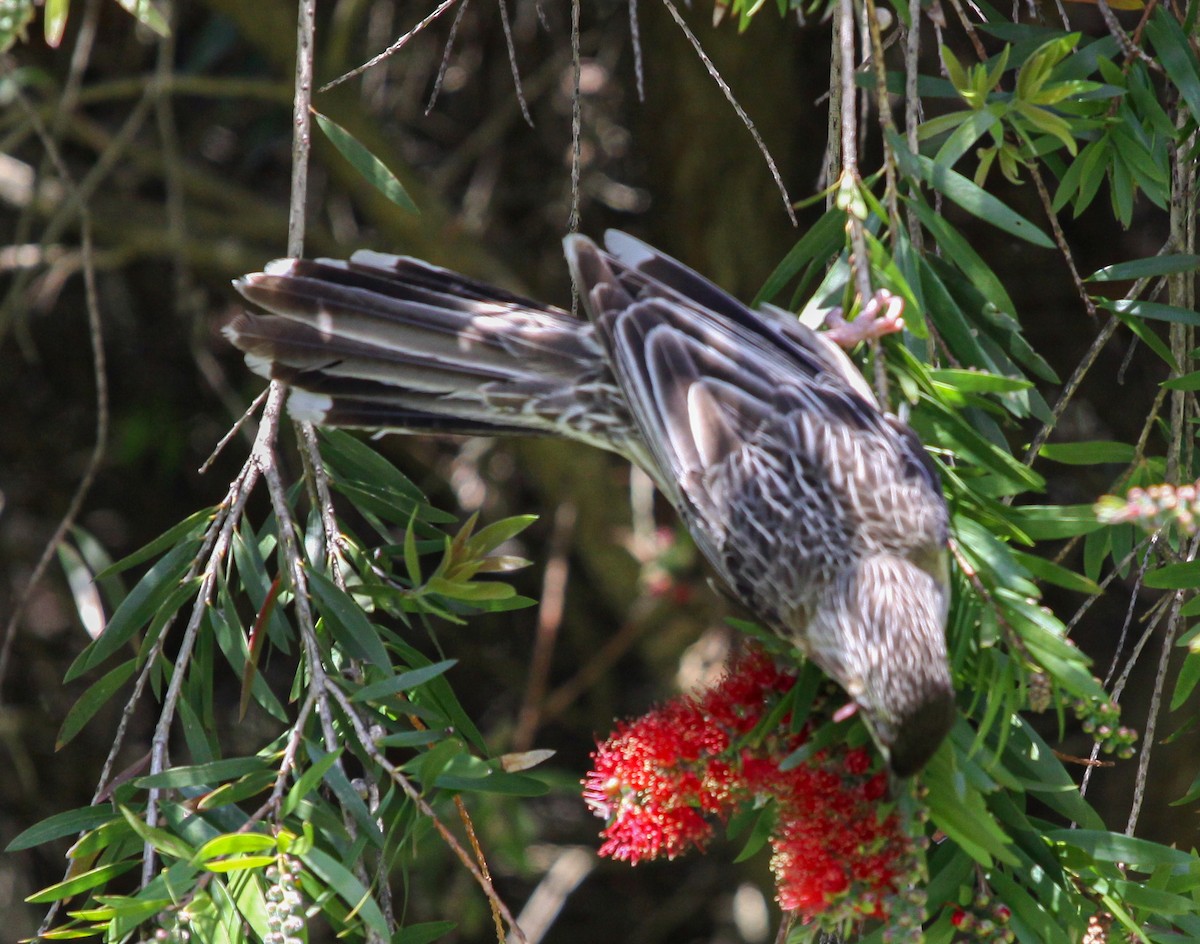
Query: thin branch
512,61
99,376
737,107
635,40
398,778
1160,681
549,619
576,118
392,49
445,63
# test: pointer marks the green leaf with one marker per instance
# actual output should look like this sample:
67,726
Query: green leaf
55,22
1183,576
1137,308
423,933
493,781
823,240
139,607
469,591
1149,338
69,823
1176,57
348,888
1186,382
309,780
959,810
366,163
763,825
189,527
1056,574
163,842
1089,453
147,15
1053,522
81,883
487,539
218,771
972,198
1140,854
413,678
1185,682
235,844
347,621
92,701
978,381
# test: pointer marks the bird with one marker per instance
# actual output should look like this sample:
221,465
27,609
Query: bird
822,514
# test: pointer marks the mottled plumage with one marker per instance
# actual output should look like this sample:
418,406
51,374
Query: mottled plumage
823,514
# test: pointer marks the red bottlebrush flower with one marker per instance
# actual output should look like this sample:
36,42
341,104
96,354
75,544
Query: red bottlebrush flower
835,858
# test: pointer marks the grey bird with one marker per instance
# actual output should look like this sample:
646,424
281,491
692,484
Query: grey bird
823,514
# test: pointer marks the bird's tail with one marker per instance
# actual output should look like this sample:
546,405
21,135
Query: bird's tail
389,342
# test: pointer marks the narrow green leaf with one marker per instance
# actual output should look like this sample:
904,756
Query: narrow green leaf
309,780
138,608
1089,453
163,842
1185,682
423,933
92,878
1056,574
469,591
1149,338
366,163
494,781
412,560
1053,522
1176,57
149,17
189,527
487,539
764,823
413,678
1140,854
347,621
978,381
93,700
1184,576
55,22
1137,308
235,844
348,888
1186,382
823,240
59,825
972,198
218,771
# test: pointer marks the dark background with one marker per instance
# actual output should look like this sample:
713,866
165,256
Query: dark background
677,169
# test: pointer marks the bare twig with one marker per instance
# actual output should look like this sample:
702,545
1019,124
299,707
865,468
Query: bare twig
512,61
392,49
445,63
635,40
737,107
576,118
550,611
99,375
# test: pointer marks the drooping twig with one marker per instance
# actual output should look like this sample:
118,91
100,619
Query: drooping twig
737,107
392,49
99,376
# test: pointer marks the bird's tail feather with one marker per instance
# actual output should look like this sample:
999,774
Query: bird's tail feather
391,342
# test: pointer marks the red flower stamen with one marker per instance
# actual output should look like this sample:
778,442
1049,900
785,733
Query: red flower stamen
835,856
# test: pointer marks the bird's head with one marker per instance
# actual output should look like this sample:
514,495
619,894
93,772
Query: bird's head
884,641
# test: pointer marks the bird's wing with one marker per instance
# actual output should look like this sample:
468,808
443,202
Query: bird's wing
701,372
